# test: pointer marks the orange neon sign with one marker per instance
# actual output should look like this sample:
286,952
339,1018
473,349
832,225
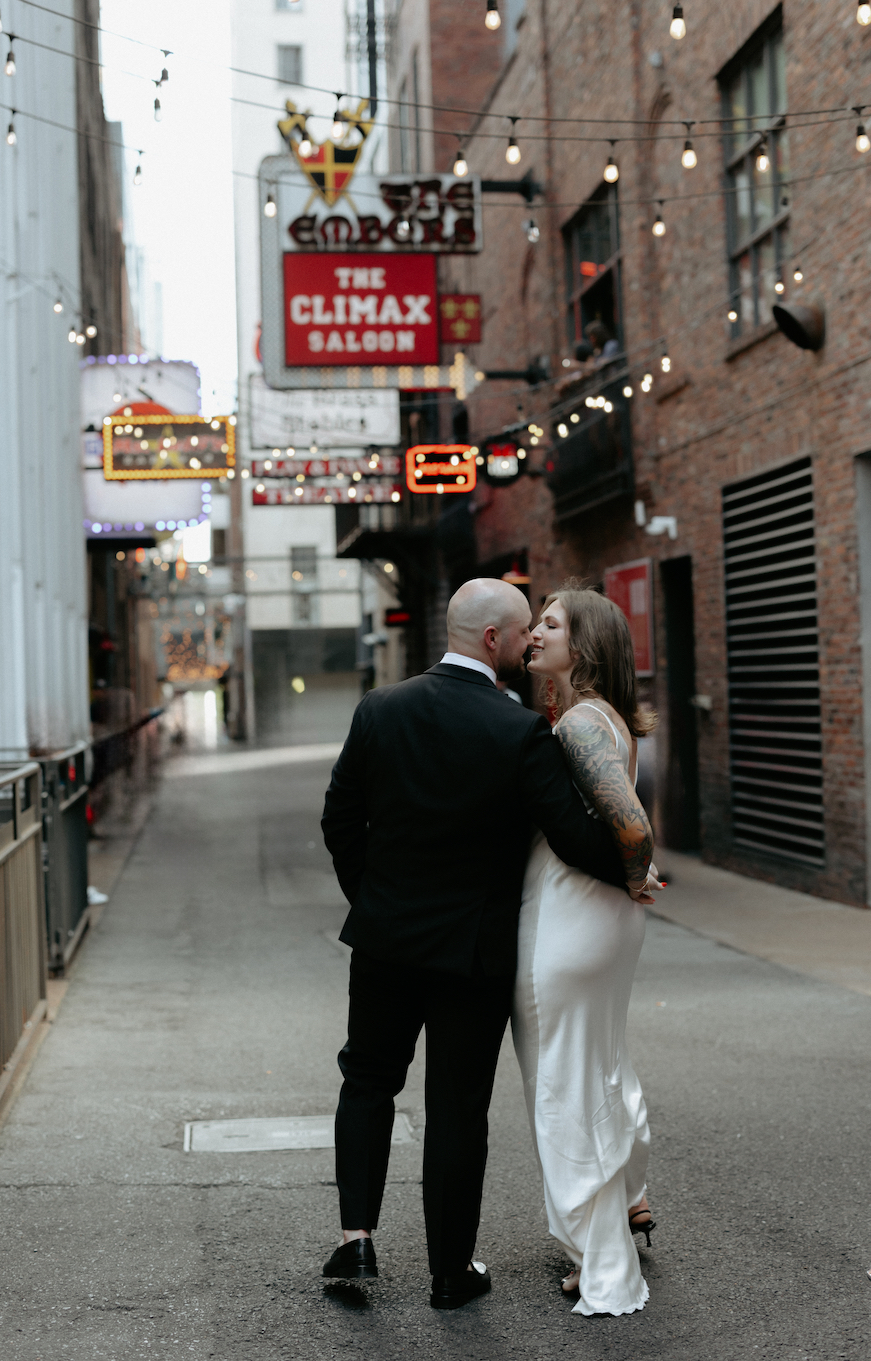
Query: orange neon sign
434,469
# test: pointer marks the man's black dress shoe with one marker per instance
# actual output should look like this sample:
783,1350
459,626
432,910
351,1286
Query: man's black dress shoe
354,1261
452,1292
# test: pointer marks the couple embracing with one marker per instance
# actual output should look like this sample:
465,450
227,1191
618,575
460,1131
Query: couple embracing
496,868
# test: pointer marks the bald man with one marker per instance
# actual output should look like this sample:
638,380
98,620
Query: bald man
428,819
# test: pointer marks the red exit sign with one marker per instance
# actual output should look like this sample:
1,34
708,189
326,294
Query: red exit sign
360,309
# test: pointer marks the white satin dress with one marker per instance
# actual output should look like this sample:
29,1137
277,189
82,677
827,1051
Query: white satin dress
579,944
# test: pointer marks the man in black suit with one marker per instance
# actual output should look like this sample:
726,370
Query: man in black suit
428,819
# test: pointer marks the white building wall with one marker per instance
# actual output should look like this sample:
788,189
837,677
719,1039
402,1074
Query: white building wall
43,602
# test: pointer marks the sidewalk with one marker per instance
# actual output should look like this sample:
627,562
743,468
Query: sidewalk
811,935
213,988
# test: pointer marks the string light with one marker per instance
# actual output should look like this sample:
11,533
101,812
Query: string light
157,112
863,15
611,172
647,382
512,153
627,390
863,141
137,174
797,274
269,207
71,335
689,160
779,285
492,18
58,306
762,161
9,68
461,165
90,331
732,314
305,147
11,135
532,232
658,227
677,28
337,131
665,364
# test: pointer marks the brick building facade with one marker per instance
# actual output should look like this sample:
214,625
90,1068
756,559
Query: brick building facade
756,448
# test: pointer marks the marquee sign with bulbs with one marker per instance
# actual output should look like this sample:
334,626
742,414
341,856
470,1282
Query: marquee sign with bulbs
141,447
435,469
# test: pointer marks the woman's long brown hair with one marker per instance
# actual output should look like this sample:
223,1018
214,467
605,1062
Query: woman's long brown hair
604,661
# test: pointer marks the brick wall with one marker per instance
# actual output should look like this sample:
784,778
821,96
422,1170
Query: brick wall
726,409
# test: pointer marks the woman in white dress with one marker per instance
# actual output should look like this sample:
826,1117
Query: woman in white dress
578,947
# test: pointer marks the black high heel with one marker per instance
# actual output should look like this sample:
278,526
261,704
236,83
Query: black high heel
646,1227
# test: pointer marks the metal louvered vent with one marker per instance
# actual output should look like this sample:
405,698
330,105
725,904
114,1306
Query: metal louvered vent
773,659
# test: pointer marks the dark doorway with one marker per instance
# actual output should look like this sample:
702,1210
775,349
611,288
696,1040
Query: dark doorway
681,794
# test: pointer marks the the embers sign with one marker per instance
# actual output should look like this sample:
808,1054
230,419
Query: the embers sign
360,309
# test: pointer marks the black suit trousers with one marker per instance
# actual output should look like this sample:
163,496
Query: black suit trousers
464,1020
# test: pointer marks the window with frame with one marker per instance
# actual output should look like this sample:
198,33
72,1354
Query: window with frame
753,93
290,64
591,242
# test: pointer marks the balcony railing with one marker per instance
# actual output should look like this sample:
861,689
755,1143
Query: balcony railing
593,464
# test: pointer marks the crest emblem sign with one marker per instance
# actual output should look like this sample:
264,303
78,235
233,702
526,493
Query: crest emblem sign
330,167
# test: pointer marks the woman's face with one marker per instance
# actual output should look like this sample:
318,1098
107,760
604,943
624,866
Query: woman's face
550,643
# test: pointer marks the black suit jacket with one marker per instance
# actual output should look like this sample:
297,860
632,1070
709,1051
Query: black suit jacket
429,815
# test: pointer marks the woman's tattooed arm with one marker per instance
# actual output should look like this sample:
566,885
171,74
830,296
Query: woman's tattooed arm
598,771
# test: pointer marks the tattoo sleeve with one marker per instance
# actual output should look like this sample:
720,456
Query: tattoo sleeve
598,772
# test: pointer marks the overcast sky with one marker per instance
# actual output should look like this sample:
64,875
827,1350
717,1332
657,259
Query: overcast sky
182,212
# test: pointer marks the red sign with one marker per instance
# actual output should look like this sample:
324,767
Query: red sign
630,587
460,318
439,468
360,309
341,494
394,619
381,465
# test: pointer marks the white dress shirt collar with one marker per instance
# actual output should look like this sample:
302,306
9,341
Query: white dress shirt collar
457,659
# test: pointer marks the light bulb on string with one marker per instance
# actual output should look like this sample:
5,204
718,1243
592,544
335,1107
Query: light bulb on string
627,390
461,165
611,173
270,208
762,161
797,274
137,174
863,141
665,364
779,285
689,160
492,18
532,232
337,131
863,15
157,111
658,227
512,151
9,68
71,335
11,135
732,314
90,331
58,306
80,338
305,147
677,28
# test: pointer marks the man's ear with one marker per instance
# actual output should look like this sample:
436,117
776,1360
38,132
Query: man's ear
491,638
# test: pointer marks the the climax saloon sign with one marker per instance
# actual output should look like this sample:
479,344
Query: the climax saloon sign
348,261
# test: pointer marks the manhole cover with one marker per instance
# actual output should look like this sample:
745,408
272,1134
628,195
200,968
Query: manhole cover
255,1136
